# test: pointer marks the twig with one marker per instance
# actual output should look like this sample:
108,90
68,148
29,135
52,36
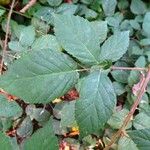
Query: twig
6,36
116,68
130,114
128,68
26,7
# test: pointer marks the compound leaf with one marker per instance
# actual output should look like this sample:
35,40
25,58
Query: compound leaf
40,76
115,46
96,103
78,37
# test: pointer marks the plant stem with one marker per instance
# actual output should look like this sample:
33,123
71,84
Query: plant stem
130,114
15,12
6,36
29,5
128,68
118,68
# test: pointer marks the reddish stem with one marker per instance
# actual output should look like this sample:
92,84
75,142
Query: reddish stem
130,114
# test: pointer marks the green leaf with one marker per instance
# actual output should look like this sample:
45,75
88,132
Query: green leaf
140,62
115,20
119,88
135,25
101,29
138,7
41,27
96,103
115,46
68,115
42,139
141,121
78,37
117,119
16,46
2,11
7,123
141,138
109,6
5,143
27,36
66,8
54,2
120,75
133,77
26,128
145,42
39,114
45,14
87,1
9,108
46,41
126,143
122,4
146,24
90,14
40,76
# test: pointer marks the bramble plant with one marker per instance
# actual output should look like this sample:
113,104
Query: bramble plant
75,75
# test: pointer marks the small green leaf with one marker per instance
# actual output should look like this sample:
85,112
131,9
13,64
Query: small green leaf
40,76
126,143
27,36
109,6
41,27
9,108
119,88
141,121
122,4
16,46
46,41
115,46
133,77
6,123
146,24
87,1
66,8
5,143
115,20
135,25
26,128
101,29
54,2
96,103
2,11
145,42
45,14
138,7
78,37
141,138
140,62
120,75
117,119
68,115
39,114
42,139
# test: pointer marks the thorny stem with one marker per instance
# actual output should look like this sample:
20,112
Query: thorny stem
130,114
6,36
